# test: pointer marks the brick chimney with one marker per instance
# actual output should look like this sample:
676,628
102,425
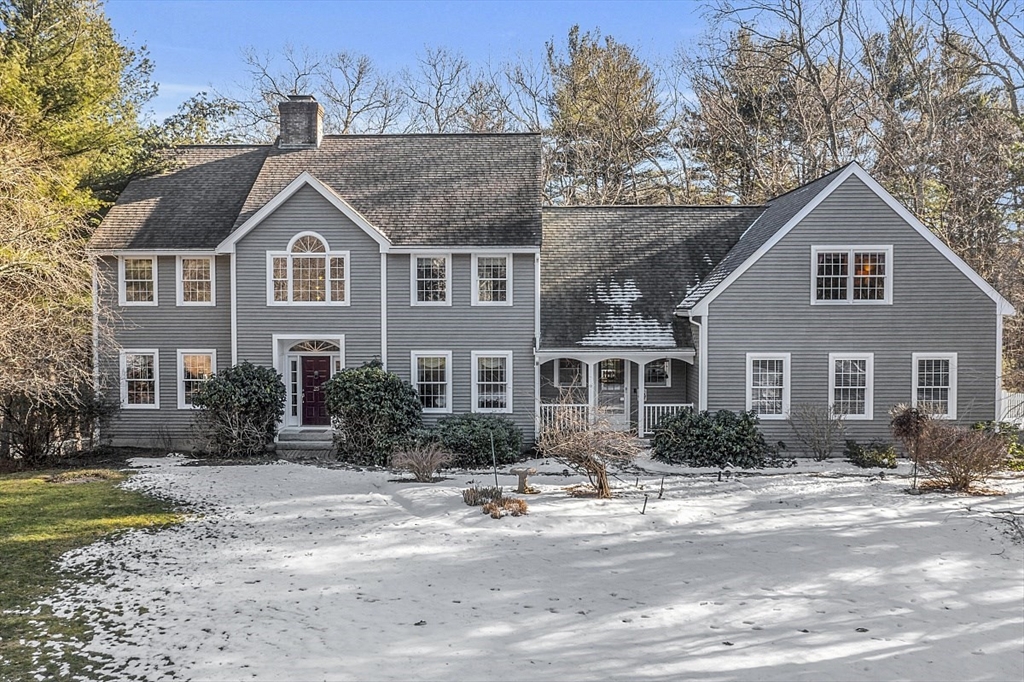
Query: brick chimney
302,122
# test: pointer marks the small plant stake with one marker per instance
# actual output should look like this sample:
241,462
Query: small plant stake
661,491
644,510
494,461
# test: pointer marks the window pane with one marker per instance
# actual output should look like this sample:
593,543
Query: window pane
869,276
492,274
309,279
432,382
492,383
851,380
308,244
337,279
570,373
431,284
767,379
933,385
138,280
280,276
195,370
656,373
196,280
831,277
140,375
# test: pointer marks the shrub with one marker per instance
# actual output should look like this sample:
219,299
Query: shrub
240,409
423,460
585,445
504,506
37,430
1011,435
720,439
956,457
374,413
874,455
477,495
817,427
468,438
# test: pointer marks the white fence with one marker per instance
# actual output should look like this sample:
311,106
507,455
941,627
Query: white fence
1013,408
653,414
575,414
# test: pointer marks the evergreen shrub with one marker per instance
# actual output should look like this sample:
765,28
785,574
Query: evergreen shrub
719,439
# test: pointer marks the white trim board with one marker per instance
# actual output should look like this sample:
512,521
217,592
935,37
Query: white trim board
1003,306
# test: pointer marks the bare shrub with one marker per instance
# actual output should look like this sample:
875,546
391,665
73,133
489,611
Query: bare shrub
422,460
956,457
906,424
478,495
506,506
819,428
586,445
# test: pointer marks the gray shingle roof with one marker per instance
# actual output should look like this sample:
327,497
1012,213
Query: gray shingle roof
611,276
443,190
438,190
779,211
193,205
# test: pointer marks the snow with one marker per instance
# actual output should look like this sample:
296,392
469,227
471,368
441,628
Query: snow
823,572
620,325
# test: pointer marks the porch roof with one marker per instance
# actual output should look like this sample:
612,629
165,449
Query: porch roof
638,355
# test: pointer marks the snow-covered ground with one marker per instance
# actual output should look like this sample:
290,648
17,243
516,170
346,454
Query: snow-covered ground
292,572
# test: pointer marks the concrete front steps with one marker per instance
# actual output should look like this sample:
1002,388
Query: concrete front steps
305,443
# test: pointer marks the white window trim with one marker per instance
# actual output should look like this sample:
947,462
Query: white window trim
182,352
558,372
668,374
851,250
786,387
328,254
121,294
508,280
447,276
124,377
869,386
447,355
179,282
952,357
507,354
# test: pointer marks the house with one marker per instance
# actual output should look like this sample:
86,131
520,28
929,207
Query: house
434,254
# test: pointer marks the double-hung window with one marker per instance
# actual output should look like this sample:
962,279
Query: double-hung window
768,385
492,381
137,280
194,368
851,275
658,373
432,377
431,279
309,273
570,373
851,384
140,379
195,281
935,384
492,279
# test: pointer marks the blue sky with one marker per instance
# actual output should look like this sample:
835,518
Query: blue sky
197,44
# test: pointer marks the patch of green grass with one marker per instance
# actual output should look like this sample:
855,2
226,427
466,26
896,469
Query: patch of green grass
43,515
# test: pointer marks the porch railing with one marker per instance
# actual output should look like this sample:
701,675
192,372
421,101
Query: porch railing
550,413
653,414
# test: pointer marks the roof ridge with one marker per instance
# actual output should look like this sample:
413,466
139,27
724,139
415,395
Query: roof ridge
617,206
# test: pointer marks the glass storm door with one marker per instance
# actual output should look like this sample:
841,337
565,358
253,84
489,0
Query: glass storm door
316,370
613,393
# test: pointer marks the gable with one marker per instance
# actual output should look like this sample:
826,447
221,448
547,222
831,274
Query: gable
863,206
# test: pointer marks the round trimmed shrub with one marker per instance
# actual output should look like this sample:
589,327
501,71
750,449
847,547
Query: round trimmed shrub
240,409
720,439
374,413
468,438
875,455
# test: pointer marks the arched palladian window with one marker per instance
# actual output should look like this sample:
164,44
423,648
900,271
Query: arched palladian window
309,273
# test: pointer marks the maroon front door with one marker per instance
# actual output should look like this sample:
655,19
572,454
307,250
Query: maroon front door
315,371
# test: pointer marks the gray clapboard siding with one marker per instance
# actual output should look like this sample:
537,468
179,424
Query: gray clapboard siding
167,328
463,328
935,309
257,322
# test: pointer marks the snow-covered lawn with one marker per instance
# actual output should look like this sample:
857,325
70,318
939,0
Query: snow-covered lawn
302,573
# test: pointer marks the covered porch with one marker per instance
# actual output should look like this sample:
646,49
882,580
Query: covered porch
631,390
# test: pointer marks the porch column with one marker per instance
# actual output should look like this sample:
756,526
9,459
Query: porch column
641,399
592,390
